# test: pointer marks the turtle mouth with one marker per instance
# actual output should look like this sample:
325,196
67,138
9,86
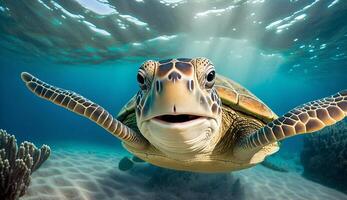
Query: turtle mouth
172,119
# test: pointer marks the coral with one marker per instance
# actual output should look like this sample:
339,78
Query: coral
17,164
324,156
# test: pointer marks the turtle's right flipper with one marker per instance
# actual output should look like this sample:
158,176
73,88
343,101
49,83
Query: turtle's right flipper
307,118
82,106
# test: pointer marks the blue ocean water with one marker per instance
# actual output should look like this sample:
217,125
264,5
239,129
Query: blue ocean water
286,52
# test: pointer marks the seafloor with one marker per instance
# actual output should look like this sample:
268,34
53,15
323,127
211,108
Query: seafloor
88,172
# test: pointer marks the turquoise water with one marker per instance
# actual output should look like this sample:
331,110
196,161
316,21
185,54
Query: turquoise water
285,52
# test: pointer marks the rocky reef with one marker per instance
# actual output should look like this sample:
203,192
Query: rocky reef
324,156
17,164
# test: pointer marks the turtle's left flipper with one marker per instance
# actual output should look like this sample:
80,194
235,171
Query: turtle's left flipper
307,118
84,107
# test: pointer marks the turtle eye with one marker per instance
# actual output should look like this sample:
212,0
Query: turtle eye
141,80
210,78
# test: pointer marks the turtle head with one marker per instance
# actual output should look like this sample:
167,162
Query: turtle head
177,108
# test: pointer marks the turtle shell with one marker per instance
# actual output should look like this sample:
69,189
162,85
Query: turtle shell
239,98
232,94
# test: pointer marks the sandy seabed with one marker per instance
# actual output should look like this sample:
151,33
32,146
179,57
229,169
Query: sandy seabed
91,173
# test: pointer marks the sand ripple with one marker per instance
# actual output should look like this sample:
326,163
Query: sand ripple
85,175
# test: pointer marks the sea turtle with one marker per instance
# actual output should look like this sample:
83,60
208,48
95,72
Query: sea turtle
186,117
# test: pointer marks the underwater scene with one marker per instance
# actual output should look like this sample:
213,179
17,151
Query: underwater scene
173,99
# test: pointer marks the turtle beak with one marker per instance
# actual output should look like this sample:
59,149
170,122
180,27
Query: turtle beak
176,100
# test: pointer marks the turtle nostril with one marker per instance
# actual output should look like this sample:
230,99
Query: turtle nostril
174,76
158,86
